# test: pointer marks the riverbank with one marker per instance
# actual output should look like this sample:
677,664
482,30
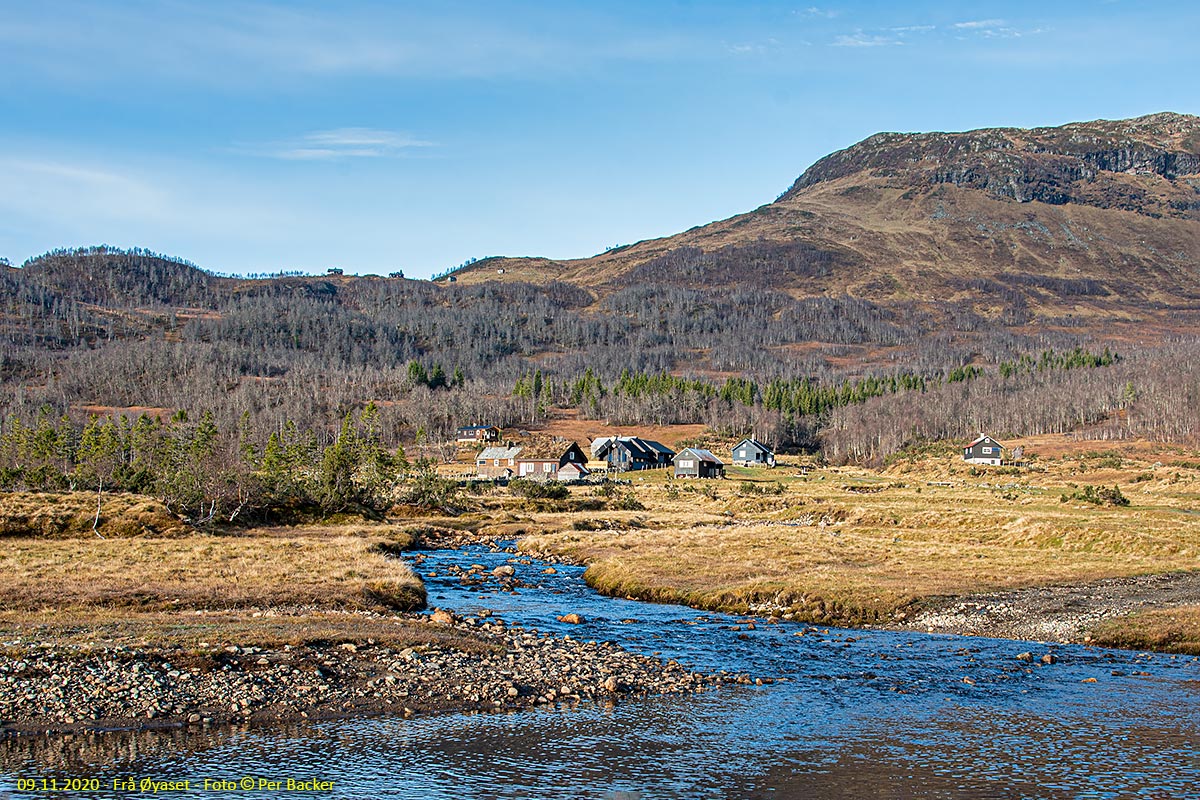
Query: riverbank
929,542
346,664
1144,612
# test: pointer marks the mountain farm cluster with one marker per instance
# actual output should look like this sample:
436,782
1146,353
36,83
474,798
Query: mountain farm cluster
909,289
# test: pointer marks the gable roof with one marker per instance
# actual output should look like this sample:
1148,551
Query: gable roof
701,454
490,453
984,437
659,447
640,448
544,449
467,428
754,443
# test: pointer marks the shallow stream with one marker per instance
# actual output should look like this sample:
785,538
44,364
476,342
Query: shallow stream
853,714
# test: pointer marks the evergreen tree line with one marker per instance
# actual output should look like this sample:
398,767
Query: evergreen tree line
116,331
212,473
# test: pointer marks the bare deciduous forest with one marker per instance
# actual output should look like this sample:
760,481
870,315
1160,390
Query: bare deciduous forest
137,338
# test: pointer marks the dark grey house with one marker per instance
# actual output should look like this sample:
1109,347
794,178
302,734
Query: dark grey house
474,434
752,453
984,450
624,453
693,462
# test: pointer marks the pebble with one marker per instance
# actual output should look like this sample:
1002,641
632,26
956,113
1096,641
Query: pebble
69,687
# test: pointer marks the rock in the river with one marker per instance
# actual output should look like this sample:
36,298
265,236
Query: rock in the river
571,619
442,617
1049,658
504,571
1026,656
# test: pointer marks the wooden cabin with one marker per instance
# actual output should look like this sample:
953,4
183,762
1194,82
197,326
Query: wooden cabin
752,453
694,462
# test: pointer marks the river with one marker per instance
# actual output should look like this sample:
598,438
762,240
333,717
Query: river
844,714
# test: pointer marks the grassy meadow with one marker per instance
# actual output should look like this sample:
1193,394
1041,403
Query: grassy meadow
833,545
52,561
855,546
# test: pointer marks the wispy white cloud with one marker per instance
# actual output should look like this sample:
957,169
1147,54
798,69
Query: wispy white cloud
861,39
994,29
337,144
913,29
57,188
979,23
823,13
245,44
754,48
85,199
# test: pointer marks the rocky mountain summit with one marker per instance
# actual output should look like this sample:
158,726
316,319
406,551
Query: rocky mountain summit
1081,226
1139,165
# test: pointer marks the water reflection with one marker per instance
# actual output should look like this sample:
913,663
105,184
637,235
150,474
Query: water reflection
857,714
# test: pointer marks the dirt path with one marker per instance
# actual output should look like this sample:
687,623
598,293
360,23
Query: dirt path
1055,613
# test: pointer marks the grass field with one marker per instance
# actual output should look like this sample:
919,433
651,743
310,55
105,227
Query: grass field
1173,629
857,546
822,544
49,560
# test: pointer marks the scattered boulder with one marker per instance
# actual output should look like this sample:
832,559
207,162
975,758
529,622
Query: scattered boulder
1049,658
1026,656
441,616
571,619
504,571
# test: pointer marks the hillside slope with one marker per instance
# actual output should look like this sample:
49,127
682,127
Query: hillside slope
1058,223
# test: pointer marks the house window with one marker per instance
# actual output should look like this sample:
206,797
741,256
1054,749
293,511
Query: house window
987,451
687,464
547,467
496,462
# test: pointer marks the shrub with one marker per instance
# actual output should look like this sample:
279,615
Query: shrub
626,501
1098,495
539,490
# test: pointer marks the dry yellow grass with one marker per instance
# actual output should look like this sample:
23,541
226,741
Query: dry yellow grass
857,546
206,631
72,515
202,571
1175,630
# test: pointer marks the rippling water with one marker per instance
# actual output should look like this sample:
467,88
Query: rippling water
857,714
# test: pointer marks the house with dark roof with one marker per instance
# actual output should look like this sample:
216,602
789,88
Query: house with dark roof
752,453
984,450
540,458
625,453
694,462
477,434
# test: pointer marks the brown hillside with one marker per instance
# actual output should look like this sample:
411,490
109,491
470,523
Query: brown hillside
1057,223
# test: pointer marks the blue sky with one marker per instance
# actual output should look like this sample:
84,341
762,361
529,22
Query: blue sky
255,137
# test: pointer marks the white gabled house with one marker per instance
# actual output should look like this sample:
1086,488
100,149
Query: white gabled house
984,450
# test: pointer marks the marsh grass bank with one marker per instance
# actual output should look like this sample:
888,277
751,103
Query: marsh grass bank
179,627
848,546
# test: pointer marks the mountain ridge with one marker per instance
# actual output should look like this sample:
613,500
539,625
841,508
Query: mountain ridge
1087,218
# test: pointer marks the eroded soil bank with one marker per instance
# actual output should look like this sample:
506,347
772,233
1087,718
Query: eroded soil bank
1093,612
